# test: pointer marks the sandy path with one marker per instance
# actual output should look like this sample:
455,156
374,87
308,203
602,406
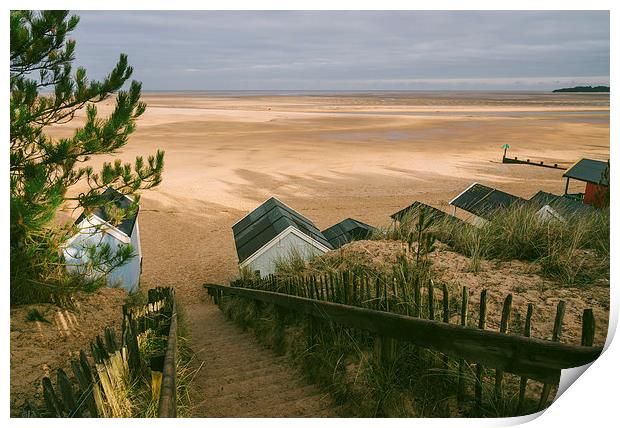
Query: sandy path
240,378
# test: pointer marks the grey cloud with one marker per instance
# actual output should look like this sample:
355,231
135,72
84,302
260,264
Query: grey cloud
349,49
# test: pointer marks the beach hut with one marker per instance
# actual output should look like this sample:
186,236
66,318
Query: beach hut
413,211
346,231
482,201
558,207
275,231
595,174
95,231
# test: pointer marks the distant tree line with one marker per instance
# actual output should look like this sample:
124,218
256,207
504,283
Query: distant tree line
584,89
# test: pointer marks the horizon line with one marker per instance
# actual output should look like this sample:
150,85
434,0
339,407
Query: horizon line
371,90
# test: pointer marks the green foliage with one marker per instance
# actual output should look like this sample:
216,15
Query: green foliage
46,91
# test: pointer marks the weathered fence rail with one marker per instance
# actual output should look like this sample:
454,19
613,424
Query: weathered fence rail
534,358
168,396
100,387
387,308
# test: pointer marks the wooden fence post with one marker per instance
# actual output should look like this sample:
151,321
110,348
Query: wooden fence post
523,380
86,386
91,379
557,332
499,374
431,300
368,295
446,314
479,368
378,293
52,403
464,312
66,392
417,298
587,328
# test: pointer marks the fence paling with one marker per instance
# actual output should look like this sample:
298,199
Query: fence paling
523,380
557,332
98,384
462,363
588,327
431,300
479,368
499,375
446,314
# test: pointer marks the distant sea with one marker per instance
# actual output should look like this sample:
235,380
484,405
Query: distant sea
365,92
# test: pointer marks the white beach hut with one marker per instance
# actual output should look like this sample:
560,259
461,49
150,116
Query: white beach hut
561,208
95,231
273,231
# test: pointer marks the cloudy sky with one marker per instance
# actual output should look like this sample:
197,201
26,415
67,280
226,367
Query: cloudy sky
349,50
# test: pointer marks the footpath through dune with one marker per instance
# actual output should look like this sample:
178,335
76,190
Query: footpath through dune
238,377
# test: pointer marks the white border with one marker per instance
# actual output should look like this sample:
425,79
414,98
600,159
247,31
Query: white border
592,401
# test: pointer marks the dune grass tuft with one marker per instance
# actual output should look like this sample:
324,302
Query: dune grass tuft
574,251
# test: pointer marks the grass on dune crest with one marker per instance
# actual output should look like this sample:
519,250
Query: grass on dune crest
574,251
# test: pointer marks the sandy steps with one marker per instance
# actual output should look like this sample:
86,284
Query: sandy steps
241,378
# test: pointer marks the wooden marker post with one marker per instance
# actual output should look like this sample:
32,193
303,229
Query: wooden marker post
505,147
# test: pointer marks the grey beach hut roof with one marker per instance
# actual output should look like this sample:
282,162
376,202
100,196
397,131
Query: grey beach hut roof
482,200
120,201
266,222
346,231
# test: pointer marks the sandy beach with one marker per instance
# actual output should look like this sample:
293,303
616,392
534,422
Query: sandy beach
333,156
337,156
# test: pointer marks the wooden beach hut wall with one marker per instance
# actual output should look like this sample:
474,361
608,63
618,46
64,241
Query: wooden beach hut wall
481,202
95,231
595,174
346,231
275,231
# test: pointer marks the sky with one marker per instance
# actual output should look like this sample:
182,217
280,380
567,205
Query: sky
349,50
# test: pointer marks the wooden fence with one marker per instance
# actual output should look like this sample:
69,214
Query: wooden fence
100,387
379,307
